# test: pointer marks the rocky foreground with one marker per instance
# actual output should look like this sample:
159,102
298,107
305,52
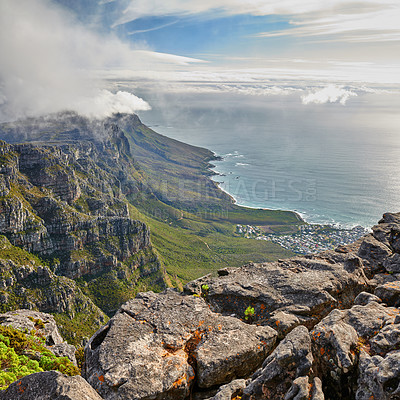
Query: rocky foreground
324,327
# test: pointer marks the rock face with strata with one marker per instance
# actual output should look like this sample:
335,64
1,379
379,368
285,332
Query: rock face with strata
159,346
67,202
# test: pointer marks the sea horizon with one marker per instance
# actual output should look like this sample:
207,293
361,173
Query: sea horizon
331,163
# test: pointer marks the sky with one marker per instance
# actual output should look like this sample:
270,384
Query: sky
71,54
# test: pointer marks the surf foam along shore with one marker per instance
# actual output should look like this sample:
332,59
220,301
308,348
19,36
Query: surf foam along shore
215,174
224,179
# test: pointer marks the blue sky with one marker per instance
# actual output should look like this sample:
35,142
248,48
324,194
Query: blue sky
343,28
66,52
206,36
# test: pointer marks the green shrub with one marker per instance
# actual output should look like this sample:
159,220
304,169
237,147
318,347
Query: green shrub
17,350
249,313
204,290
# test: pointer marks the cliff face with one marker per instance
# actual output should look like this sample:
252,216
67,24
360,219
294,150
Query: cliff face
66,203
59,200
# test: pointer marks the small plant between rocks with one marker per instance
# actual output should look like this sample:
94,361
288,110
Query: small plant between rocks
204,290
249,314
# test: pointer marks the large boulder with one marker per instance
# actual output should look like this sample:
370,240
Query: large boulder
284,374
389,292
287,293
338,339
374,253
379,377
158,345
49,385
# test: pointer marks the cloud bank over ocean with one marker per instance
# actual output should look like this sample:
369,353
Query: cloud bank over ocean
54,59
329,94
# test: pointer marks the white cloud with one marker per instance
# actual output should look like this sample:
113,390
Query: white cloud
50,62
155,28
380,25
142,8
249,89
329,94
105,103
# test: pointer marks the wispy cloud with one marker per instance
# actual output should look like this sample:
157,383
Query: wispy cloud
379,24
349,20
156,28
143,8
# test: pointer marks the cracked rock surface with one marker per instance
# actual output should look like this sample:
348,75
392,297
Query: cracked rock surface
158,346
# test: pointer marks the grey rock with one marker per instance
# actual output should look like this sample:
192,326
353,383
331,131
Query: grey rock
379,377
392,263
24,320
28,320
337,339
374,253
389,293
284,321
364,298
157,345
381,279
292,359
388,231
64,350
49,385
230,390
317,393
386,340
304,289
300,389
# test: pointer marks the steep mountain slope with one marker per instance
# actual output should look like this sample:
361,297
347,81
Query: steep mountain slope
82,195
66,204
161,179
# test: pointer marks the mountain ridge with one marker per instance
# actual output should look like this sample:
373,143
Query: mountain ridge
84,207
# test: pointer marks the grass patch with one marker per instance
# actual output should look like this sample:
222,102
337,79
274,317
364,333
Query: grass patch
189,246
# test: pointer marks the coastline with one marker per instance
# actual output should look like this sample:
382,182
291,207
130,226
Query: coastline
299,215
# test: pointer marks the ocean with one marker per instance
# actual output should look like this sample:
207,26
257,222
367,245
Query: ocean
332,163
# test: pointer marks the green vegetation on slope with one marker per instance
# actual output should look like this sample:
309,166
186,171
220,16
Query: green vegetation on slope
80,318
22,354
189,246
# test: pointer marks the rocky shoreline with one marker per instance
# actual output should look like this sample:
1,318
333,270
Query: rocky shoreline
325,326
